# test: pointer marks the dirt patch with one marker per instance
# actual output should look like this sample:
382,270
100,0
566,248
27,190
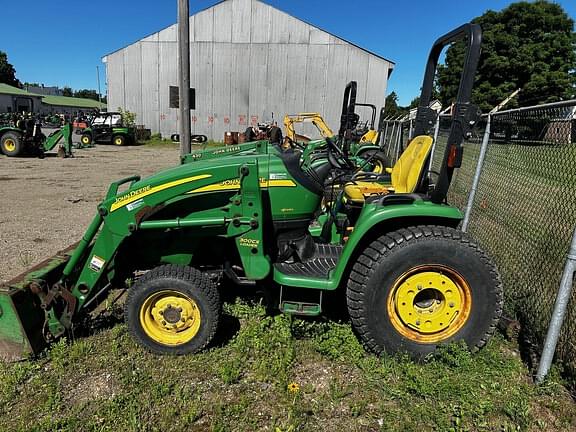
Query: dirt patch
93,387
317,375
50,202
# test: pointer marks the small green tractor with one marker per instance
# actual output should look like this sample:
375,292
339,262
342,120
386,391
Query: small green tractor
251,215
108,128
25,137
359,140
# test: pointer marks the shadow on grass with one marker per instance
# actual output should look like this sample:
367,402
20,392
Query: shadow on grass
228,329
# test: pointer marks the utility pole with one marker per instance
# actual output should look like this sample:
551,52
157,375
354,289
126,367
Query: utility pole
98,78
184,81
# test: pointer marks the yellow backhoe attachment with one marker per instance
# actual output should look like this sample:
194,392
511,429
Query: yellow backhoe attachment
314,118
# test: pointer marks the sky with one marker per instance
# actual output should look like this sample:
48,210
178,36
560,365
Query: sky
62,42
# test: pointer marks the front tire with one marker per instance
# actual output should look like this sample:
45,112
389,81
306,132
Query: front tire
119,140
173,310
11,144
86,139
416,288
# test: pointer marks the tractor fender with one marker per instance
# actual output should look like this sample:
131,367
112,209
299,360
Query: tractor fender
3,130
382,217
385,215
363,148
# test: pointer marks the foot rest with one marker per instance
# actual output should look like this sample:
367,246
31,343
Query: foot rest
300,308
318,267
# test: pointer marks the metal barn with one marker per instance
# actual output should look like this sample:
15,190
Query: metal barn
249,62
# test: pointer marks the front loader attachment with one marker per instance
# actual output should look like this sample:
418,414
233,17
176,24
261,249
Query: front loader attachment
23,319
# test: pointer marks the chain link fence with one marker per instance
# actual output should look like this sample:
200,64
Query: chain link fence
394,136
524,210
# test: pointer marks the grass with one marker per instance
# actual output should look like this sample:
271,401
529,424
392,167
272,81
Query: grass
106,382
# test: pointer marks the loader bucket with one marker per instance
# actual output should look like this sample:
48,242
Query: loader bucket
21,316
21,322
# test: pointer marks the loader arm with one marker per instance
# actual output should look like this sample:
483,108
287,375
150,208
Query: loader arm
64,133
41,304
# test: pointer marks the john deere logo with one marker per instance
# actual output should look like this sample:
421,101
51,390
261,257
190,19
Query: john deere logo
132,194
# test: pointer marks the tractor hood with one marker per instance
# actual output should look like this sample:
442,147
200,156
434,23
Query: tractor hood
182,179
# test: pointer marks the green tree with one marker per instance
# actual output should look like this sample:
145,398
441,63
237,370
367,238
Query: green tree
526,45
67,91
7,71
128,117
86,94
391,105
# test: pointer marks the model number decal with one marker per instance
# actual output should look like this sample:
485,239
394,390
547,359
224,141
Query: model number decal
134,205
248,242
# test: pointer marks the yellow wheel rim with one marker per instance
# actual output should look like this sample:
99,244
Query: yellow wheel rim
85,140
170,318
9,145
118,141
378,167
429,304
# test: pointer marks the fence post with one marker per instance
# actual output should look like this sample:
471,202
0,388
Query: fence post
479,166
436,130
383,142
390,150
397,146
558,313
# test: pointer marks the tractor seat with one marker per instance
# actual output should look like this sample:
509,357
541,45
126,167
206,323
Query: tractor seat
405,176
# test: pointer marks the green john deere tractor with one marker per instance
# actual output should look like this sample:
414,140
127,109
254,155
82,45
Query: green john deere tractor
252,215
108,128
25,137
360,138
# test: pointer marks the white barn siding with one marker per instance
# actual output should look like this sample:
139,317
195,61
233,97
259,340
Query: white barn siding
150,114
133,70
115,80
248,60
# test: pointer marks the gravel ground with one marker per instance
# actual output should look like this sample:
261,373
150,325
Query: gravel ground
47,204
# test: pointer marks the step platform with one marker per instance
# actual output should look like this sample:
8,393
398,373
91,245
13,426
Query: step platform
318,267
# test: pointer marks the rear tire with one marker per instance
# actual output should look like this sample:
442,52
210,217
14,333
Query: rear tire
378,161
11,144
173,310
119,140
416,288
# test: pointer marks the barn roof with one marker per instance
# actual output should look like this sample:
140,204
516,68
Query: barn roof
392,63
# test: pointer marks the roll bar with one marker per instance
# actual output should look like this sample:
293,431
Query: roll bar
347,116
373,108
464,114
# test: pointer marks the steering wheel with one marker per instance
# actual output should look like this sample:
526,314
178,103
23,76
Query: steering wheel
336,157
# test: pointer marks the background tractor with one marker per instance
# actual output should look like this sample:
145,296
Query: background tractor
251,215
362,140
109,128
23,136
